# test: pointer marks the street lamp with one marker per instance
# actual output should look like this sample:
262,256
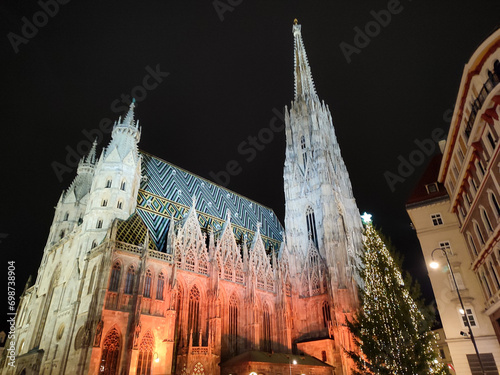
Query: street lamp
435,265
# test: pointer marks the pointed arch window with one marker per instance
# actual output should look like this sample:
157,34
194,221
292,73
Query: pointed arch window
303,149
486,220
494,275
266,329
66,216
119,205
233,324
146,351
129,282
104,203
114,282
495,204
110,354
123,185
190,261
108,183
194,315
472,244
147,284
94,244
479,233
327,317
159,286
99,224
311,225
203,264
486,284
91,282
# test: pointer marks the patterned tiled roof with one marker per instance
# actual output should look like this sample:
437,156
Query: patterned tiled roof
167,191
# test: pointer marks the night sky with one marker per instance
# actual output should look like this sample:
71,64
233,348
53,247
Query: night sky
222,75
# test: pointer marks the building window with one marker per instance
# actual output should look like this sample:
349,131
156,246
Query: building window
311,225
441,353
94,244
114,282
108,183
104,203
110,354
486,220
491,140
479,233
129,282
327,317
119,205
323,355
472,245
303,150
494,275
432,188
99,224
91,282
147,284
495,205
486,284
266,329
159,286
122,186
194,315
233,324
487,360
445,245
470,316
458,279
66,216
436,219
480,167
146,350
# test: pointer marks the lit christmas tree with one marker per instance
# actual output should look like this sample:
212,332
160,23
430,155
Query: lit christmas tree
391,330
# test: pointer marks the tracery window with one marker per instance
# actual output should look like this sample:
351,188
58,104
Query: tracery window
233,323
146,351
311,225
479,233
327,317
228,270
129,282
203,265
266,329
190,261
159,287
110,353
147,284
194,315
114,282
303,149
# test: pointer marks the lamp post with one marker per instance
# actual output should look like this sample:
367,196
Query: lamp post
435,265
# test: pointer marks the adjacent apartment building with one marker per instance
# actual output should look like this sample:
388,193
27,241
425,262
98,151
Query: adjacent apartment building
456,207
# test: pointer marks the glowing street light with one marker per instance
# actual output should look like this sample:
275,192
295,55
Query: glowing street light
435,265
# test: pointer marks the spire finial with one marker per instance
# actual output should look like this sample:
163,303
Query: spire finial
304,85
129,119
295,21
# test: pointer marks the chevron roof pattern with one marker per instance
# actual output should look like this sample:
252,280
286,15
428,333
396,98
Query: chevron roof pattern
167,191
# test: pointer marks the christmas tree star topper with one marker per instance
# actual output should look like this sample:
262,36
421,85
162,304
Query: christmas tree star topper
366,217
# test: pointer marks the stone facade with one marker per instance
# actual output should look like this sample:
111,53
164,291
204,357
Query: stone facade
149,269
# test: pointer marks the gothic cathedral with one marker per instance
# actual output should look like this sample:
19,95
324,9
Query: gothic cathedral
150,269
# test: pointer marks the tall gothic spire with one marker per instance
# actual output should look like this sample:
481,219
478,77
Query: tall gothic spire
304,85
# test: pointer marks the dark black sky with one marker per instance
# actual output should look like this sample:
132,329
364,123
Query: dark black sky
225,78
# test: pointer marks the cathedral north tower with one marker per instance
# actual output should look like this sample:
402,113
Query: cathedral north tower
320,208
